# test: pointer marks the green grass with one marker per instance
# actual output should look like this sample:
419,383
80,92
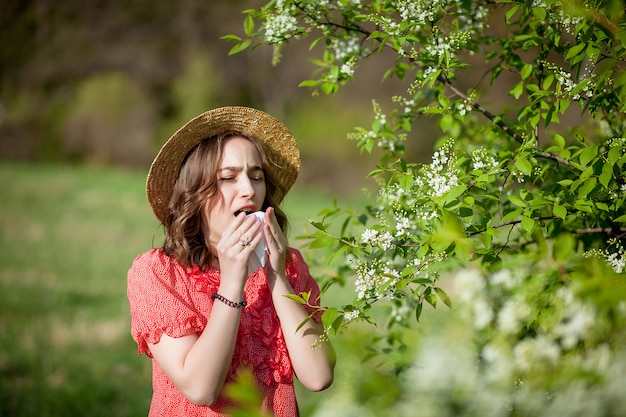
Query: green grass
67,237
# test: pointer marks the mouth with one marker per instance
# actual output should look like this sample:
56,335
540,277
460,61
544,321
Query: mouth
246,210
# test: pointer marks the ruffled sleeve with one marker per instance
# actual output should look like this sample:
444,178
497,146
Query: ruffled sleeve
160,300
301,281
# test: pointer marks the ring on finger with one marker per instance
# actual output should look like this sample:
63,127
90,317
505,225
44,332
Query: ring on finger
244,241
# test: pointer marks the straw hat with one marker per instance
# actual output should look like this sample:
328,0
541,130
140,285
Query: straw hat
278,142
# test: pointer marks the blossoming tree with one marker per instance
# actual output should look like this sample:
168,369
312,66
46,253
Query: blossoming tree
520,209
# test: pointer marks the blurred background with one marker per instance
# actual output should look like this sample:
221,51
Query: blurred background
107,82
89,91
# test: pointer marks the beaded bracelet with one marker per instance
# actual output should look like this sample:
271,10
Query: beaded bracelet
226,301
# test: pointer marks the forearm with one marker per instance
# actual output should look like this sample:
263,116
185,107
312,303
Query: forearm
198,366
313,359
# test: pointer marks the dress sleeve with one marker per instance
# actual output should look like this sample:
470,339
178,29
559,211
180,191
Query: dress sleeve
160,301
301,281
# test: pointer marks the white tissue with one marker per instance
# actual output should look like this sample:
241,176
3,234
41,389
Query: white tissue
260,253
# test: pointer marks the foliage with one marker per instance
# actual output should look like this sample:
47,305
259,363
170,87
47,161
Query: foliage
526,182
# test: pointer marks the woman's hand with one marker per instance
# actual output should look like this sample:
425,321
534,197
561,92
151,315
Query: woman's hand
276,246
236,245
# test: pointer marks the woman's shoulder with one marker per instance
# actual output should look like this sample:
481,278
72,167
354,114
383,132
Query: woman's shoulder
296,266
153,258
295,255
155,262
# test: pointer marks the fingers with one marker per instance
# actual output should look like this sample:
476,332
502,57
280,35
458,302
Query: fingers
273,233
242,233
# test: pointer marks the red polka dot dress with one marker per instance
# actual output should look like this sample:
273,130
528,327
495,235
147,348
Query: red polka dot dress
167,297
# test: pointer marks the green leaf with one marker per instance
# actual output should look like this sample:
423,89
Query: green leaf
296,298
540,13
511,12
517,90
462,249
607,175
517,201
418,311
248,25
602,206
587,186
430,298
559,211
559,140
511,215
240,47
231,38
588,154
309,83
614,154
585,206
322,242
547,82
443,296
575,50
528,225
329,316
524,166
330,88
444,101
620,219
318,225
563,247
527,69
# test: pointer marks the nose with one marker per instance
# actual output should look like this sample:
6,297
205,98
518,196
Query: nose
246,188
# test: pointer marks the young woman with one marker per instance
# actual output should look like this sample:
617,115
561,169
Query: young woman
212,301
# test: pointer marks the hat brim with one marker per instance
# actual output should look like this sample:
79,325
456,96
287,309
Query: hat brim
278,143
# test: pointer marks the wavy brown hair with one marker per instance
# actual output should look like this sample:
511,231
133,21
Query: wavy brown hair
197,183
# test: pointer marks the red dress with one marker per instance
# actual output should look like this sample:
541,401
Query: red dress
166,297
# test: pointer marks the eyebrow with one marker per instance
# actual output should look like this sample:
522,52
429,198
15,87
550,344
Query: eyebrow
253,168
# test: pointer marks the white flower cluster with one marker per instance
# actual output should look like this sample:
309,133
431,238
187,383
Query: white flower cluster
351,315
347,69
578,320
441,175
449,45
558,15
382,240
583,89
374,281
403,224
280,27
471,291
617,142
387,25
615,258
464,108
345,49
421,12
503,301
483,160
407,103
513,314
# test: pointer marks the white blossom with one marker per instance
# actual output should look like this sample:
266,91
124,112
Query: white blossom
279,27
368,236
351,315
514,313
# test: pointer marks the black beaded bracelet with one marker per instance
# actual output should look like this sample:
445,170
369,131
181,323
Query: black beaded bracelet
229,303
